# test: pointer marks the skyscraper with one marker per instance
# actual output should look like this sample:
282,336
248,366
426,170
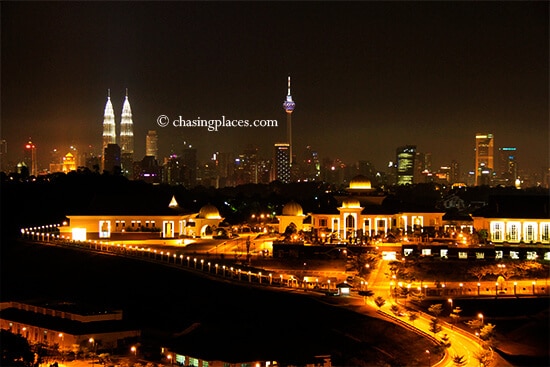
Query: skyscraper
30,158
289,105
151,144
109,130
507,165
484,164
282,162
405,164
126,139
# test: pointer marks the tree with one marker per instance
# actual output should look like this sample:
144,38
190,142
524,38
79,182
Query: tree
436,309
488,334
459,361
484,357
480,272
455,315
15,350
445,341
434,325
395,309
380,301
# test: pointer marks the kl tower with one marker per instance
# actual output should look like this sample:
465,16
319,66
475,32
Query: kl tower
289,105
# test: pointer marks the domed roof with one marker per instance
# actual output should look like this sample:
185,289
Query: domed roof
360,182
209,211
351,203
293,208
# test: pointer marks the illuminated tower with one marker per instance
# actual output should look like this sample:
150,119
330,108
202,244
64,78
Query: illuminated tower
289,105
484,158
30,158
109,133
126,138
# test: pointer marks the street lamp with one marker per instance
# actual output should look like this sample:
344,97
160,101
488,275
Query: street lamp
450,300
169,358
478,287
496,289
533,284
134,350
515,286
480,315
429,358
202,264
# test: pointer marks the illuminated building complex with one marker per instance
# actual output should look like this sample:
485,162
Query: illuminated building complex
109,131
484,159
126,138
289,105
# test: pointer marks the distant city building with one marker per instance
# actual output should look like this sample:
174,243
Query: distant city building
111,157
289,106
148,170
189,167
282,162
484,161
507,165
109,129
422,167
30,158
127,139
406,156
151,144
68,164
455,172
3,153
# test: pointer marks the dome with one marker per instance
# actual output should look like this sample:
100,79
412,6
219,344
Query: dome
293,208
360,182
351,203
209,211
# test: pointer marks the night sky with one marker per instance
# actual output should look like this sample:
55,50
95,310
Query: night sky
367,77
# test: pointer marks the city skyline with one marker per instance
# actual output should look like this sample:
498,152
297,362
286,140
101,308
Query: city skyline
366,77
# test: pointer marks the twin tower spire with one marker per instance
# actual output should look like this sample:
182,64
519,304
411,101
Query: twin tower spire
126,126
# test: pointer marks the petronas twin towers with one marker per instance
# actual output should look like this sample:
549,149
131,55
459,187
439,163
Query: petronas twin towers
126,134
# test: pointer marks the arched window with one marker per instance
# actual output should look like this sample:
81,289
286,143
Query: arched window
350,221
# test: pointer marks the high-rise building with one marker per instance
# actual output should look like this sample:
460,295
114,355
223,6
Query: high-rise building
406,156
30,158
151,144
111,161
189,167
455,172
289,105
282,162
484,164
507,165
127,139
109,129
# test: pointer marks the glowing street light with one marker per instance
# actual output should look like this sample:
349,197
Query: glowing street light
134,350
480,316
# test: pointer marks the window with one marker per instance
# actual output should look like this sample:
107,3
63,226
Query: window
514,255
104,229
350,221
529,234
499,254
545,232
480,255
496,231
513,232
444,253
322,222
426,251
407,251
462,255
